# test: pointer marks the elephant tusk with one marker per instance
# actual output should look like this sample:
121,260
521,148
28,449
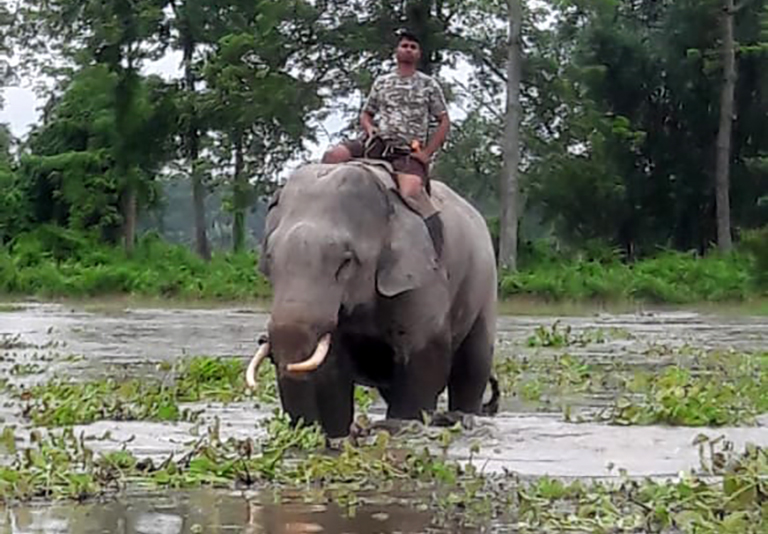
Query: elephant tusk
314,361
250,373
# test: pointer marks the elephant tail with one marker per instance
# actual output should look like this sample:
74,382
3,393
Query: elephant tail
492,406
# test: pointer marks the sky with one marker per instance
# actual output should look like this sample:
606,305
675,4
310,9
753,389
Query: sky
21,105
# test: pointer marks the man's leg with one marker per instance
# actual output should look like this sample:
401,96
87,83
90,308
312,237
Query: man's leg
409,185
411,179
343,152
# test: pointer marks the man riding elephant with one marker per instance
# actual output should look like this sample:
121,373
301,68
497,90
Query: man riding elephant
370,285
395,122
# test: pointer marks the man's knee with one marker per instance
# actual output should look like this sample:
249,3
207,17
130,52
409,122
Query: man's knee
337,154
410,184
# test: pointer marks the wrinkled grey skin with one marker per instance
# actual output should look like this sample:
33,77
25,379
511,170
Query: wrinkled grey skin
344,255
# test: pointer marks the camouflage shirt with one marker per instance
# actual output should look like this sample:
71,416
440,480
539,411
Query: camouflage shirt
402,106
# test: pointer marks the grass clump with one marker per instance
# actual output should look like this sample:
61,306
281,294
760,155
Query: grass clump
563,336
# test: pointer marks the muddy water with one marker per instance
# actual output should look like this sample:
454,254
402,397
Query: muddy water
40,341
200,512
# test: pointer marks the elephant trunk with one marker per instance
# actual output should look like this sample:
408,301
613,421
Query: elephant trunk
310,364
300,335
316,360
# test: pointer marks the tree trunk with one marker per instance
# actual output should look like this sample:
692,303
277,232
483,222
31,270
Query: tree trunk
239,190
193,142
129,217
419,20
722,171
509,178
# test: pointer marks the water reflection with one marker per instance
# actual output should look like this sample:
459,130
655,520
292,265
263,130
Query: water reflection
208,511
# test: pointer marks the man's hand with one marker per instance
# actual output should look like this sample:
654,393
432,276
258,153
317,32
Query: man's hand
418,153
366,121
421,156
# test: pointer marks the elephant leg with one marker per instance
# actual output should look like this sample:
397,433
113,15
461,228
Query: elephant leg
324,396
471,369
335,405
418,382
298,400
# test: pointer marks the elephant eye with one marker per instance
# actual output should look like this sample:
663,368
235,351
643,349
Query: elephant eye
347,261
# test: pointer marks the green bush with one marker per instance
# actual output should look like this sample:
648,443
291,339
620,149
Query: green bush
55,262
755,243
670,277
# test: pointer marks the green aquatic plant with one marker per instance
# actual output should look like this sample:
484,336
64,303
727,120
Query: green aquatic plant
62,402
62,465
685,387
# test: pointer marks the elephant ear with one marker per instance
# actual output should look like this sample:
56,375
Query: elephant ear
408,259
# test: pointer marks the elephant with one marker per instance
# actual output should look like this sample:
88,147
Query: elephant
360,296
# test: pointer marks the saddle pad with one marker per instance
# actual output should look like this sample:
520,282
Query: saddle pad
382,170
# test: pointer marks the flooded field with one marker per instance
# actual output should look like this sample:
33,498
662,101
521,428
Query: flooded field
585,398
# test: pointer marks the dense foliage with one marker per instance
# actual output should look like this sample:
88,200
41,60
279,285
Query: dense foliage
620,103
54,262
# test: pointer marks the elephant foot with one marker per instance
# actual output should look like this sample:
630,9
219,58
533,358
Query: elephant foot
337,444
451,418
363,428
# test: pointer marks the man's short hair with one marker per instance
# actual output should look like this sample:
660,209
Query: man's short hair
409,35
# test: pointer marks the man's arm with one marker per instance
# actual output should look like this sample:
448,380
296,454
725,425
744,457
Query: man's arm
438,138
437,107
366,123
370,108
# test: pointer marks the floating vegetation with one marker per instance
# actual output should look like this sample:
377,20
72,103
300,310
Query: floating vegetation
684,386
63,402
693,388
61,465
736,503
563,336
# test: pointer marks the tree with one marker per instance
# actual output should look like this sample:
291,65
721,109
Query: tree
14,208
722,172
190,19
72,176
470,161
259,100
509,181
120,35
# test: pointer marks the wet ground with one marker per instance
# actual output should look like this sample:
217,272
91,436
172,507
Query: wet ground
41,341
